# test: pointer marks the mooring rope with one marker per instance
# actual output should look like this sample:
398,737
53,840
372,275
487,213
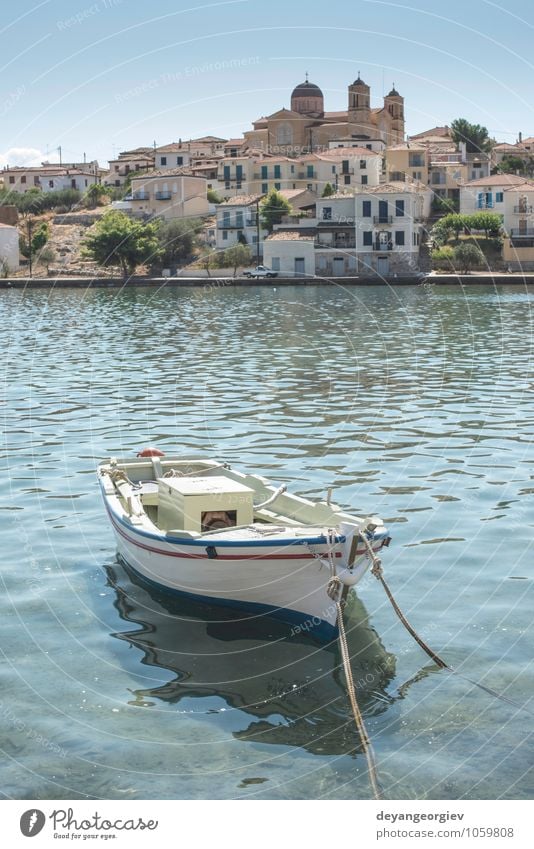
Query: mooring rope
334,589
378,572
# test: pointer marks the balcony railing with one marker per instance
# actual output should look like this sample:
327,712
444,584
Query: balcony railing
522,208
163,195
388,246
337,244
336,222
485,205
303,175
522,232
382,219
140,196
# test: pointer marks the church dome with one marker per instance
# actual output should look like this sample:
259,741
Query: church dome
307,98
393,92
306,89
359,82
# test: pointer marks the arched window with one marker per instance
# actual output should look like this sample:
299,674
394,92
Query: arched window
284,134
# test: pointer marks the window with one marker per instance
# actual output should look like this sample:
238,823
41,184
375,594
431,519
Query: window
163,161
333,169
292,169
364,179
309,170
264,188
278,186
363,163
327,213
86,182
346,179
277,173
284,134
366,209
11,179
254,239
399,237
179,160
23,178
226,219
264,172
36,181
227,184
50,184
499,197
225,235
367,237
116,167
399,208
238,185
369,146
226,172
117,182
239,219
275,263
415,160
416,175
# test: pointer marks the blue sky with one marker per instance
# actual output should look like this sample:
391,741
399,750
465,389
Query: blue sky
101,76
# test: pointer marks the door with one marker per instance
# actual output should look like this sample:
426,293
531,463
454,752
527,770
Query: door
300,267
383,266
338,266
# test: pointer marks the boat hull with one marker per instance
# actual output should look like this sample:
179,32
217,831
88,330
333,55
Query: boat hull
286,582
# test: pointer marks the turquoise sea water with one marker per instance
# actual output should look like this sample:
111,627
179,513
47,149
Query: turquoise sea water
414,403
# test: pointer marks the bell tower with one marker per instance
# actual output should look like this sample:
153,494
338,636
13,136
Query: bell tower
359,111
394,106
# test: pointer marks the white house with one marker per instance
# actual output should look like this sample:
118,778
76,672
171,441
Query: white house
175,155
237,221
50,178
9,247
373,232
291,253
512,198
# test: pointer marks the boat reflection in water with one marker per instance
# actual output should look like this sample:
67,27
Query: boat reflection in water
291,688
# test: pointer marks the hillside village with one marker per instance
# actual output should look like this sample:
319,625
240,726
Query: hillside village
306,192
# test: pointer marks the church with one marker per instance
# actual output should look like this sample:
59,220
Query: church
306,126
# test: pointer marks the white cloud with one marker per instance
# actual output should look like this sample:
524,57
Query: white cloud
21,156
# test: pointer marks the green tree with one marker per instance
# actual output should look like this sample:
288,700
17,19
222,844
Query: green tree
94,195
513,165
272,208
177,238
328,191
40,236
474,135
117,240
209,258
490,222
213,197
46,257
236,256
467,256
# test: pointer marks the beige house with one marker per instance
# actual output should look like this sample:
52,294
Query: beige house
305,126
169,193
407,161
128,162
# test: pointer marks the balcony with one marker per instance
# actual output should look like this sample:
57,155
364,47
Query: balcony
336,222
523,209
386,246
382,219
485,205
522,232
163,195
302,175
140,196
336,244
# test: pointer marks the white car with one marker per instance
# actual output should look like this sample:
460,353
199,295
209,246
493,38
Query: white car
260,271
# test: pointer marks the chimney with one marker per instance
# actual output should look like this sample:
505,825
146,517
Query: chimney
520,138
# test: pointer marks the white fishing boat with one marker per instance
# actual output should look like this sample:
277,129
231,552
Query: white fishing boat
199,528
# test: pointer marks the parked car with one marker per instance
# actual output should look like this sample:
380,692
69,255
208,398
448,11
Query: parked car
260,271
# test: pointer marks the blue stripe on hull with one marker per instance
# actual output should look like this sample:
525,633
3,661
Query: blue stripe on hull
306,624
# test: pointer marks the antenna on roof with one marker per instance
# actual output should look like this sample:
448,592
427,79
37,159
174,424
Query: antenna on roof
306,76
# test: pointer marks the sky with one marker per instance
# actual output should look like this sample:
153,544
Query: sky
97,77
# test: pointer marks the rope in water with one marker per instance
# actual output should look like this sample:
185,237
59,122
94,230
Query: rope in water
334,592
377,571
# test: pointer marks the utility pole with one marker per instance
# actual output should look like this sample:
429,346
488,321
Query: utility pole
59,151
30,223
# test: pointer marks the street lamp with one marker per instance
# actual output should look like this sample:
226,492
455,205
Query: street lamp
30,224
